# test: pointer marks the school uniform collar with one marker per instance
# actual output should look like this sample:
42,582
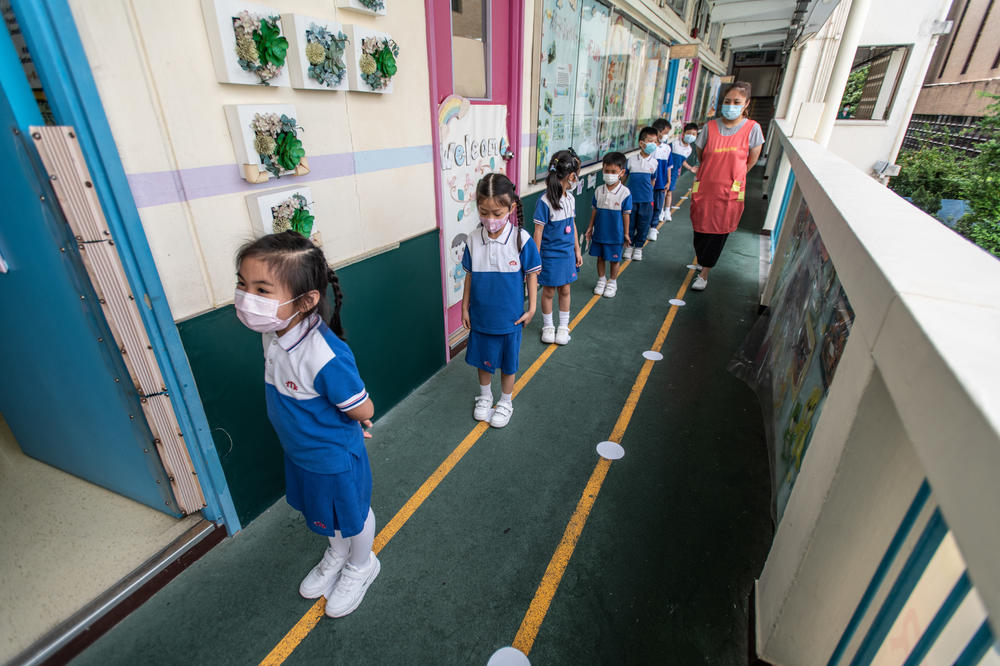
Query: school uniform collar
296,334
502,238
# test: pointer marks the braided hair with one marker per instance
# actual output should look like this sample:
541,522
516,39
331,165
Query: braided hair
498,186
300,266
562,164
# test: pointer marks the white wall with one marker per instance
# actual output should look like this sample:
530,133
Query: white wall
153,69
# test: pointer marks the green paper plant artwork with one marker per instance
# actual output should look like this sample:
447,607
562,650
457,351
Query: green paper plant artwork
325,53
378,61
293,214
276,141
374,5
260,48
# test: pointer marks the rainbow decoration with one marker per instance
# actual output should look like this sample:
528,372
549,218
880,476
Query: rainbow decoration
453,106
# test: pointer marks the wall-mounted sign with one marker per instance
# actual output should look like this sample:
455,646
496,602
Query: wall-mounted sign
683,51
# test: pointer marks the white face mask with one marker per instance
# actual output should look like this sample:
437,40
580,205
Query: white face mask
610,179
260,314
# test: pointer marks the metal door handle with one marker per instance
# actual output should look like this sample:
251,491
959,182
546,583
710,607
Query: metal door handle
508,154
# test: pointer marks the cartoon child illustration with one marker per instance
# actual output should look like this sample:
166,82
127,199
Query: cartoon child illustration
457,272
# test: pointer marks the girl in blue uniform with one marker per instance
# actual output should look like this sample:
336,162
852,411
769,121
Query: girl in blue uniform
500,257
317,404
555,236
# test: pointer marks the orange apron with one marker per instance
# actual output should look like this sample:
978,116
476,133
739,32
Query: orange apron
718,192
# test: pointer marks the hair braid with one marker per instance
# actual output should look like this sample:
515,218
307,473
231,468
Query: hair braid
338,298
519,209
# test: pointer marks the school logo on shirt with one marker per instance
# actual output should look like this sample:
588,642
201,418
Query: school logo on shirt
293,386
513,262
319,524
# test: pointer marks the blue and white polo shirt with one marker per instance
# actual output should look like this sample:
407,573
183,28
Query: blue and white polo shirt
496,298
609,223
662,156
641,171
310,382
559,232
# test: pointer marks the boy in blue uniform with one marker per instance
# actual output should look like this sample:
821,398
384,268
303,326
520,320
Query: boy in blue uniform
641,179
662,154
609,223
680,151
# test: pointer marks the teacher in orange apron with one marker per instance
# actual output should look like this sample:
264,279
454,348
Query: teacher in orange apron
727,148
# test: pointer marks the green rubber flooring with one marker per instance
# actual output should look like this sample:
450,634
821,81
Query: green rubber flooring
664,566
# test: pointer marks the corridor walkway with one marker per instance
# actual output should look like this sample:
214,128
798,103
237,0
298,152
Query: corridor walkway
664,562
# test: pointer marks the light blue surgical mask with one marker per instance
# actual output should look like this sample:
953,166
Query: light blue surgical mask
649,148
689,138
732,111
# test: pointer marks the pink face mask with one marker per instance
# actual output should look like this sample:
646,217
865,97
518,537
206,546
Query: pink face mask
260,314
494,225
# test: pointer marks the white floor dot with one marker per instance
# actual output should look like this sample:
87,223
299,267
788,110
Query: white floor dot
508,656
678,302
610,450
652,355
693,267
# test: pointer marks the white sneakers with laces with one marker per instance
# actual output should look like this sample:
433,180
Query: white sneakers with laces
666,215
350,589
637,254
548,334
562,335
484,406
653,233
627,254
699,284
320,581
602,282
502,414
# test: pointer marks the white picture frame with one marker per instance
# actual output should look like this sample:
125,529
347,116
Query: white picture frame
239,118
259,205
353,54
218,16
294,28
356,6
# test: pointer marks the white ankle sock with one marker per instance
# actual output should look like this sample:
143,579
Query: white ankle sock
486,391
614,281
564,318
546,319
507,397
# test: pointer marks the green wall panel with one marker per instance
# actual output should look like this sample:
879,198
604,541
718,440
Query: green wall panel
392,315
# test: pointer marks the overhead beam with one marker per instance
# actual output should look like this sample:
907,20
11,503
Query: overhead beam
760,39
751,10
742,28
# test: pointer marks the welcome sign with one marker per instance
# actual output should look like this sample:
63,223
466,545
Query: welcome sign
473,140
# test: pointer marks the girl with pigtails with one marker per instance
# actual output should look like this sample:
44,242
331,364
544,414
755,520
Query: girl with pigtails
318,406
500,256
558,243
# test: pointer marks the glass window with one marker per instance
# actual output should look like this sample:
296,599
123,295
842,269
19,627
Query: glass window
679,6
871,86
590,79
470,48
654,81
560,45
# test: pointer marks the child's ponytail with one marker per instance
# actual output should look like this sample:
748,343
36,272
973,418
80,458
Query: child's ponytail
520,221
562,164
338,298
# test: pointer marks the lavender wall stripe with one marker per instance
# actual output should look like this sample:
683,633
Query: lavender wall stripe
156,188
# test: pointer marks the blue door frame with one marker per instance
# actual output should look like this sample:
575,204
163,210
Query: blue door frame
668,102
62,66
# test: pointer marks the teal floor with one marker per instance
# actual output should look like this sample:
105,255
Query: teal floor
664,565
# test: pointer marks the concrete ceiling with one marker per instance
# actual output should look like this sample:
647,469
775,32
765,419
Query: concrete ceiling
759,23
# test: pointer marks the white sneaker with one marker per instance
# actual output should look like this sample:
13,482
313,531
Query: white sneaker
562,335
699,283
627,254
502,414
637,254
653,233
482,409
320,581
666,215
351,587
548,334
599,287
611,290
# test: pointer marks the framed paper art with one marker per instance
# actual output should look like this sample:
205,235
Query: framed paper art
371,59
317,58
370,7
266,140
286,209
246,42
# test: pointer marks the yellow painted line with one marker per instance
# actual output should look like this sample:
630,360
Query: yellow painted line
533,618
315,613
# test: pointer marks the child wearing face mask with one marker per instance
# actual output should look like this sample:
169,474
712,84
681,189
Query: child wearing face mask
499,259
555,236
317,404
680,151
640,175
609,223
662,127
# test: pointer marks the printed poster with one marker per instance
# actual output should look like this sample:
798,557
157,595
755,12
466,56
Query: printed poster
590,78
473,139
557,78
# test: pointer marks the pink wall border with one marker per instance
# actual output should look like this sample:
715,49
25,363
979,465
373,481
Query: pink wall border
692,89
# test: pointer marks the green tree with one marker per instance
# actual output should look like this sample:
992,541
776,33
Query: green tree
855,85
982,186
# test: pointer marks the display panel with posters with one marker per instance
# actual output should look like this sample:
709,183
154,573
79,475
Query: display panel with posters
596,17
615,82
560,44
628,129
791,355
681,91
653,81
